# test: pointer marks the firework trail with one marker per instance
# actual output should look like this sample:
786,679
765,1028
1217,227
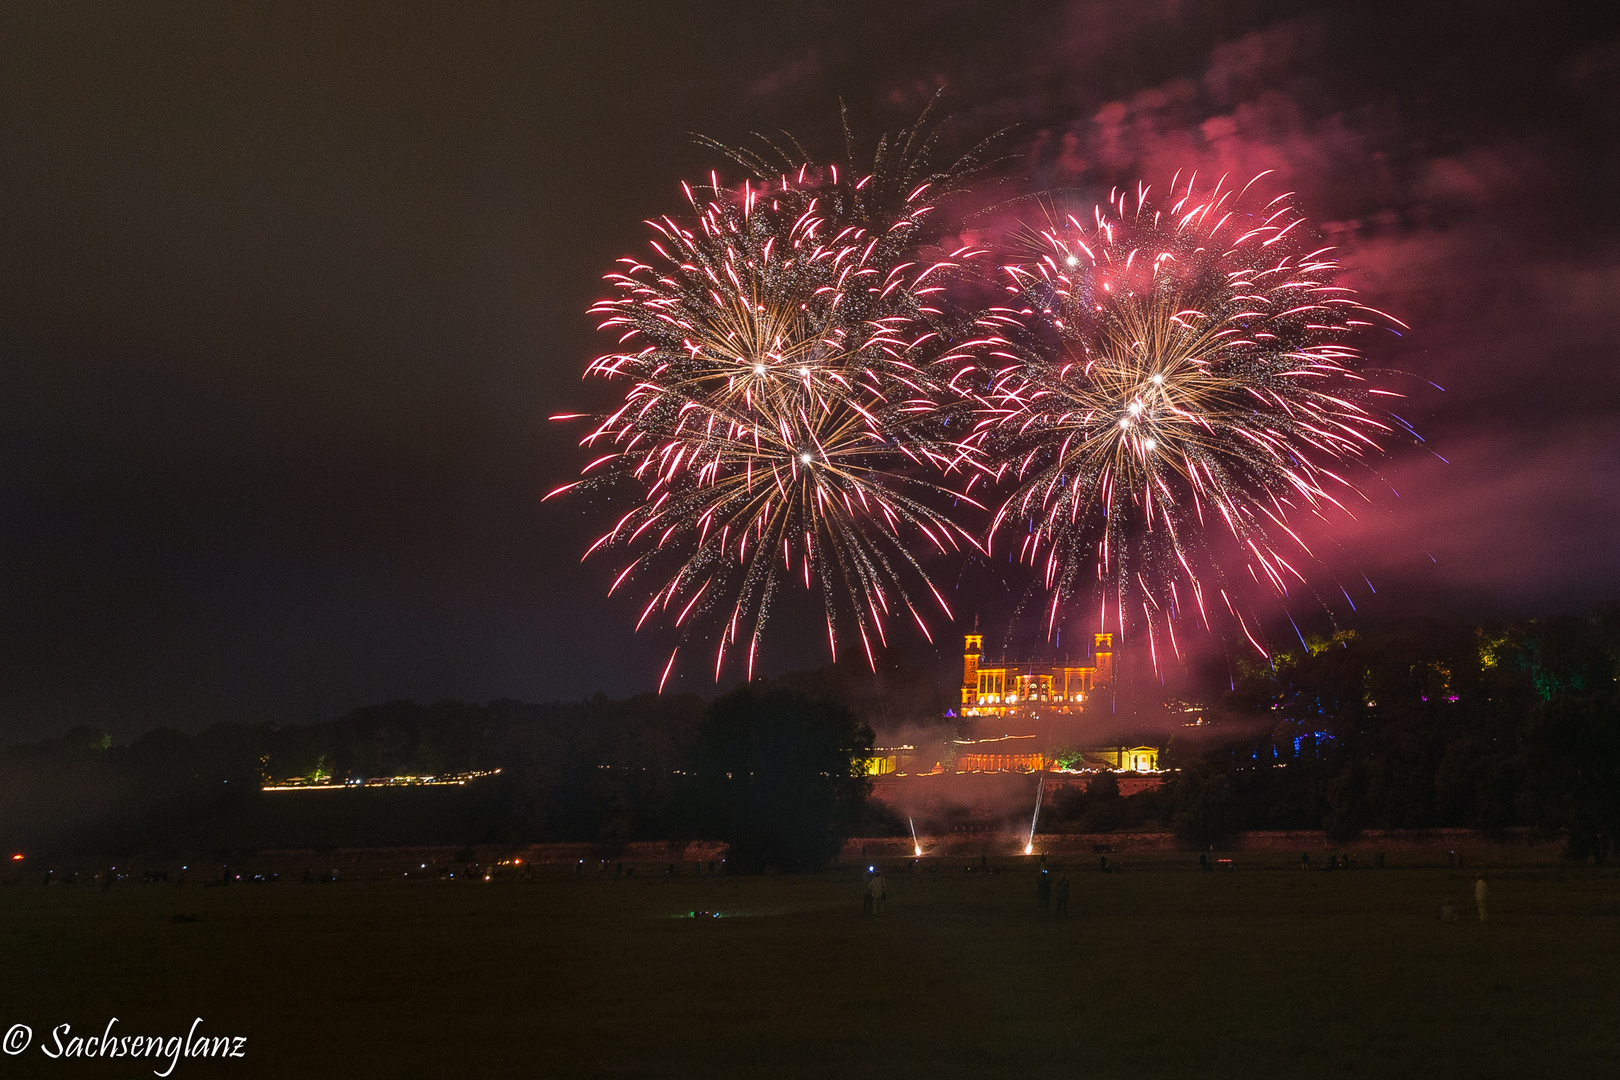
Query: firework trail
1040,789
1174,374
786,412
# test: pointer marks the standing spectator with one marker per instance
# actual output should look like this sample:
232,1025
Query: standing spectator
1043,891
1480,891
879,889
1063,895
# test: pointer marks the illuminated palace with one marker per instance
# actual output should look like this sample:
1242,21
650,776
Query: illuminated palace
1032,689
1021,694
1046,687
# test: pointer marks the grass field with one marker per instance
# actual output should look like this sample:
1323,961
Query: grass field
1159,971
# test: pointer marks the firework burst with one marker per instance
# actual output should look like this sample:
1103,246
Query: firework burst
1173,373
786,361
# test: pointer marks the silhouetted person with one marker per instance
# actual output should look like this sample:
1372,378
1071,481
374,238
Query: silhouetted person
1043,891
879,889
1203,861
309,878
1103,864
107,880
1480,892
1063,895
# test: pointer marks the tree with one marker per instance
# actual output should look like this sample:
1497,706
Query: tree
781,777
1207,811
1578,739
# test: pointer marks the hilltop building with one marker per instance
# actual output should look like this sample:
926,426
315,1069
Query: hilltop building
1026,697
1032,687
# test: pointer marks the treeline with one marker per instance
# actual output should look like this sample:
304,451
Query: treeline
767,769
1417,724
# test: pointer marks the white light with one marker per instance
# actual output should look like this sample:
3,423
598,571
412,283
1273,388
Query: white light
1149,444
1158,378
805,372
806,458
1072,261
1136,408
759,369
1124,423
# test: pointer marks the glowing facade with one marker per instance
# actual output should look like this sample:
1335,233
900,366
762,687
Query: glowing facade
1011,753
1124,758
1013,689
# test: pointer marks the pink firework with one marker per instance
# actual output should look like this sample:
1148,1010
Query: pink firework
785,357
1176,376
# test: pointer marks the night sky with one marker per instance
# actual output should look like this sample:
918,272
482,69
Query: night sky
288,291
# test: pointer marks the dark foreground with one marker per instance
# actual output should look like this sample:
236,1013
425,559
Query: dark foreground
1158,971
